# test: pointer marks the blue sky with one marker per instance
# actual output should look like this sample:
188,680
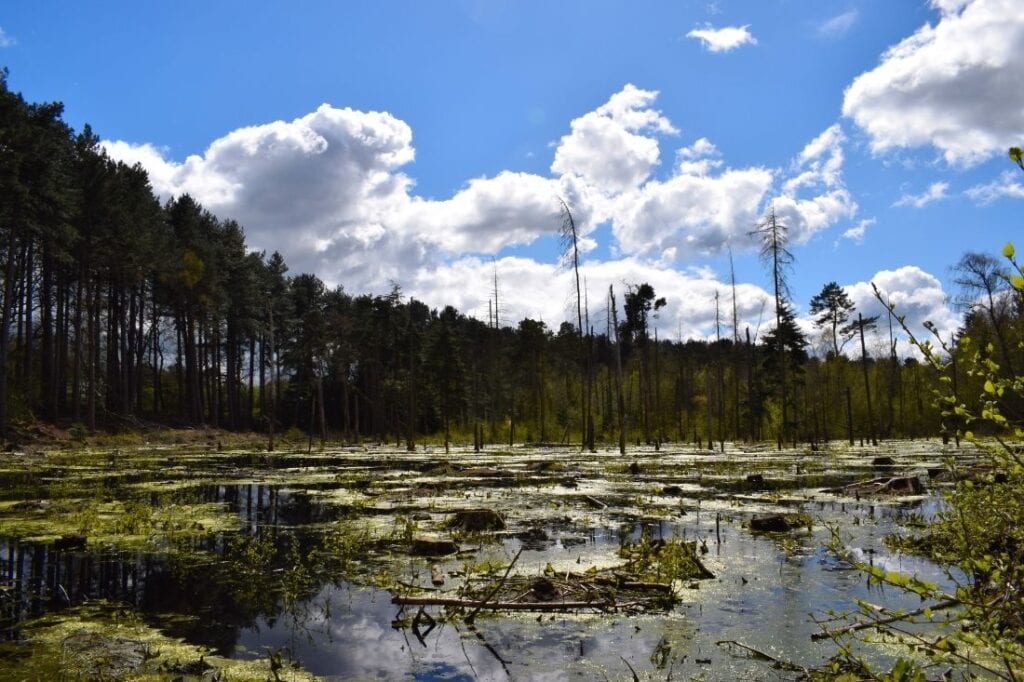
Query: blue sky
426,143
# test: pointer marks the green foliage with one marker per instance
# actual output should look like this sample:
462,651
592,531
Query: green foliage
1017,156
162,313
662,561
832,307
980,532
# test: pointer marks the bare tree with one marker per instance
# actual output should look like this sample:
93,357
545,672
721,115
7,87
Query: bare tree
984,283
570,243
618,371
774,235
860,325
735,350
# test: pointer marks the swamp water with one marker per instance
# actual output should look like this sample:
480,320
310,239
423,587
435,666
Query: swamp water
245,565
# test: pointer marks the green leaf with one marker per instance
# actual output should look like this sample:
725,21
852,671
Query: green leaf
1017,281
1008,250
990,387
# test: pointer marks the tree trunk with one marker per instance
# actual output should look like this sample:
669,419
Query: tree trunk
5,325
618,373
26,367
867,383
94,354
47,383
320,408
273,383
76,378
252,371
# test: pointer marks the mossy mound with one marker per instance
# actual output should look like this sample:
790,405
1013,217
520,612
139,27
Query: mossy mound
106,642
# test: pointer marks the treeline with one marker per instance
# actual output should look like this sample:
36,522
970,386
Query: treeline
118,310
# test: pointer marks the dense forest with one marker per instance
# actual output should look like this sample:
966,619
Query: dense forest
119,310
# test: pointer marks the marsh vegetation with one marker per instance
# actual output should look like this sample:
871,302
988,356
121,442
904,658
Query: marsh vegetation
252,565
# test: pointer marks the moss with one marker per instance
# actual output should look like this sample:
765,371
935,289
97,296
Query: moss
103,641
663,560
113,523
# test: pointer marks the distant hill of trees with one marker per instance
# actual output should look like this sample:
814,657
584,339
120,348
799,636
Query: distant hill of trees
118,309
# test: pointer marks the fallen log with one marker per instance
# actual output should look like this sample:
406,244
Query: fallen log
507,606
654,587
501,583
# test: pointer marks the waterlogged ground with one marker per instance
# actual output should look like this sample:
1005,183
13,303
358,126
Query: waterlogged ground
195,562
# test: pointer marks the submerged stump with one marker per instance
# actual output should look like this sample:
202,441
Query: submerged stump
432,545
477,520
770,523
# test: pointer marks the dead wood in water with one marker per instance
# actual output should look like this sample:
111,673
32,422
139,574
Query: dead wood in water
566,592
497,587
643,584
477,520
480,605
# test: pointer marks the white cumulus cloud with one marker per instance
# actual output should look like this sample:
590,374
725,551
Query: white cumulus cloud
814,196
935,192
546,291
696,212
1007,185
488,215
916,294
700,158
957,85
330,192
723,39
608,147
702,206
857,232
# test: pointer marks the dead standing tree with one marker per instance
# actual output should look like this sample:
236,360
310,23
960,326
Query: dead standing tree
860,325
621,401
774,235
570,243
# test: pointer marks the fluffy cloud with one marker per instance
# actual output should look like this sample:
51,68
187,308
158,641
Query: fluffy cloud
607,148
325,181
935,192
546,291
814,196
819,162
691,212
328,190
6,40
701,207
1006,185
489,214
857,232
700,158
957,85
723,39
806,217
917,295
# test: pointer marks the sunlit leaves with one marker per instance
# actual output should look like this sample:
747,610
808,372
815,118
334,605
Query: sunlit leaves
1017,156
